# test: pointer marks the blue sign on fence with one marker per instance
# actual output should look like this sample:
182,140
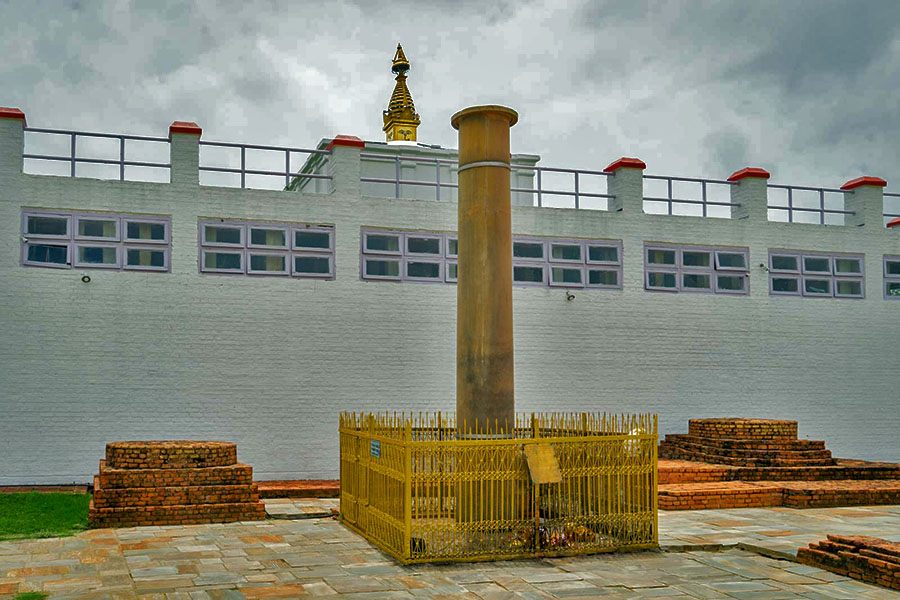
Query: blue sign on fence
375,448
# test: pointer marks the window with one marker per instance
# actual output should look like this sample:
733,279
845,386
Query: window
570,263
892,277
816,274
91,240
432,257
274,249
696,269
420,256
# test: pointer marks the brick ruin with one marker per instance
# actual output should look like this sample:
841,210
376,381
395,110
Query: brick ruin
742,463
865,558
745,443
173,483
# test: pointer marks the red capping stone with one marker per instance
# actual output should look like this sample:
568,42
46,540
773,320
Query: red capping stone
345,140
625,163
860,181
12,113
185,127
749,172
894,222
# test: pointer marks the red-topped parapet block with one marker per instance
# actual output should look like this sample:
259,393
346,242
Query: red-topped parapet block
185,127
625,163
345,140
12,113
861,181
894,223
754,172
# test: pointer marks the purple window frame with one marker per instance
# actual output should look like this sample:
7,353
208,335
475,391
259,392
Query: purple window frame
86,244
443,258
888,277
602,286
72,242
801,274
579,261
567,267
88,238
246,249
584,265
288,261
441,253
302,275
424,259
166,266
285,229
165,221
680,270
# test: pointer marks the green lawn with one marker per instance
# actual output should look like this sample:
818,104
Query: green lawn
31,596
39,515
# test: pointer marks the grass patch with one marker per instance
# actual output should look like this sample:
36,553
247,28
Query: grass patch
31,596
40,515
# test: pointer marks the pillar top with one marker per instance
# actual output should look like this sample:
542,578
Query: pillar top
345,140
861,181
625,163
12,113
894,222
512,115
185,127
749,172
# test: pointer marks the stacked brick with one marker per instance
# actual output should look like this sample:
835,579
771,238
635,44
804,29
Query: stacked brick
868,559
173,483
745,442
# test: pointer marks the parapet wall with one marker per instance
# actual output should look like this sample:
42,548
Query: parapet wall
269,362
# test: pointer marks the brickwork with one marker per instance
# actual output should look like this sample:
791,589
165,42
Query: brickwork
684,471
173,483
304,488
869,559
745,442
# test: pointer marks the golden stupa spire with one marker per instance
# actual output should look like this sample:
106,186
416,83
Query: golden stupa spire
400,119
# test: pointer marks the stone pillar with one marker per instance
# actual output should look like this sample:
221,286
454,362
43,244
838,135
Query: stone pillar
484,327
751,194
626,184
12,141
184,153
864,196
344,164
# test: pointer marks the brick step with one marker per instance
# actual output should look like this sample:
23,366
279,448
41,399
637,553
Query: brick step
764,445
175,515
729,494
236,474
869,559
305,488
744,429
774,461
683,471
794,494
170,454
715,450
170,496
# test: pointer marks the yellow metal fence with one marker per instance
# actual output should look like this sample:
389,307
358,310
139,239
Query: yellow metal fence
424,491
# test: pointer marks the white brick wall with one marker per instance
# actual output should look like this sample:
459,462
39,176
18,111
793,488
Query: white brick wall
269,362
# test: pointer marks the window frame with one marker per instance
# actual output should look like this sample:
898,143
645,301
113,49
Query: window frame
680,270
802,274
73,242
889,278
290,251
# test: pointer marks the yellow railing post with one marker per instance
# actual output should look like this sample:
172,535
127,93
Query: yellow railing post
407,486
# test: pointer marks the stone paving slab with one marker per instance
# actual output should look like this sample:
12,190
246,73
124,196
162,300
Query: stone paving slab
319,558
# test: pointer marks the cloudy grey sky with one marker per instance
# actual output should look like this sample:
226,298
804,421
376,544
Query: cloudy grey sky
809,89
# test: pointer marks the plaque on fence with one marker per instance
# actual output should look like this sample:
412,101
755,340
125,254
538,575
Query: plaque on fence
542,463
375,448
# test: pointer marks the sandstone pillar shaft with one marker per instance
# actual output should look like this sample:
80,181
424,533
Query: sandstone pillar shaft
484,330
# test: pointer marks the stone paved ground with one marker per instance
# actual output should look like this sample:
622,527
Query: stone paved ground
309,558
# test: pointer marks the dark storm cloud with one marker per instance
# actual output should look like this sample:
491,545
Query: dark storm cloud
806,88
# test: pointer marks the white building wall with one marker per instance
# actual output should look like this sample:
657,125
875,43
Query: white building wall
270,362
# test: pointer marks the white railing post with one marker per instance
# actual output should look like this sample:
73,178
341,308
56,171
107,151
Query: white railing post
750,195
184,153
344,164
865,196
627,185
12,141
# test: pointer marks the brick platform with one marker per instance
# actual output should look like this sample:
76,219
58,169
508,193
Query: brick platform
173,483
303,488
746,443
868,559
